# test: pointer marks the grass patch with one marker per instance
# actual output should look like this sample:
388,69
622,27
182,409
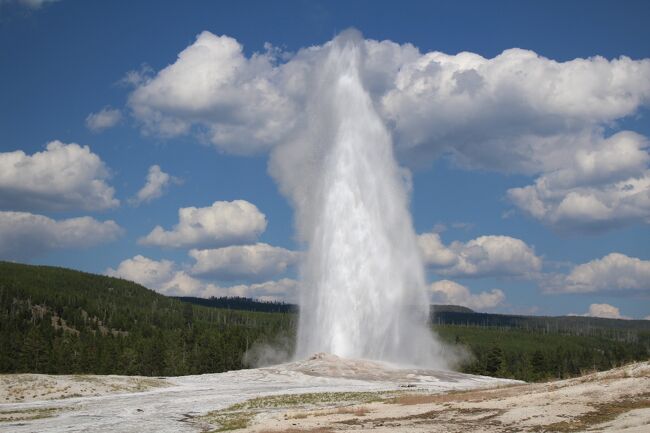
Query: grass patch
226,421
462,395
27,414
311,399
240,415
357,411
297,430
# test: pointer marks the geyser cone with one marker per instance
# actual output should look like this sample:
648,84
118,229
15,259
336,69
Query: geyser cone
362,291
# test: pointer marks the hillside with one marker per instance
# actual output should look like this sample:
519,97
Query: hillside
574,325
462,316
239,303
55,320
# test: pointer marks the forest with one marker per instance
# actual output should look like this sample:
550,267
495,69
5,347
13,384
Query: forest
61,321
55,320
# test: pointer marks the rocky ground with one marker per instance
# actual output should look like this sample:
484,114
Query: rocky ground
21,388
612,401
328,394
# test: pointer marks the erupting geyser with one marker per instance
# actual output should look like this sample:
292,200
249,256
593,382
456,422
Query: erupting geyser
363,291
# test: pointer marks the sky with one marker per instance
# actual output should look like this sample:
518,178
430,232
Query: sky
136,140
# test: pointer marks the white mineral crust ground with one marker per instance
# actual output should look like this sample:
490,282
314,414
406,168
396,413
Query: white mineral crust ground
167,409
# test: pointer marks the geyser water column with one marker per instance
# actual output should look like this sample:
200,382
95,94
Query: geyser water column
363,291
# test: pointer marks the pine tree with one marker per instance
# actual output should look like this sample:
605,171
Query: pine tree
494,361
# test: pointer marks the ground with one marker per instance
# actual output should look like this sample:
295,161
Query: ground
327,394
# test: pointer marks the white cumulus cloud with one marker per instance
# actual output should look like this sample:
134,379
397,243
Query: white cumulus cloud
165,277
223,223
481,110
104,119
256,262
150,273
63,177
434,252
501,256
516,112
613,273
162,276
243,104
450,292
593,189
604,311
502,113
154,187
25,235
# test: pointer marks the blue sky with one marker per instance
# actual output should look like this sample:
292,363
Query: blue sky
488,248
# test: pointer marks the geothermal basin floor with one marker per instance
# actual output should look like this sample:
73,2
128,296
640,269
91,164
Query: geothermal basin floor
46,403
297,397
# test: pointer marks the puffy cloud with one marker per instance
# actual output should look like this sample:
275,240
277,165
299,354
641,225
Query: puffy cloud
612,273
520,112
62,177
595,189
165,277
434,252
145,271
501,256
502,113
105,118
162,276
605,311
256,262
479,109
157,182
243,104
517,112
223,223
24,235
450,292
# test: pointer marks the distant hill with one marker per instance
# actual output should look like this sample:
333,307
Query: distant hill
438,309
55,320
574,325
457,315
239,303
248,304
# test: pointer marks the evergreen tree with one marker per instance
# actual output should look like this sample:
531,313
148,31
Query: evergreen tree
494,361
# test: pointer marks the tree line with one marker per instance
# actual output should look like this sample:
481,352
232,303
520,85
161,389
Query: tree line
534,355
55,320
60,321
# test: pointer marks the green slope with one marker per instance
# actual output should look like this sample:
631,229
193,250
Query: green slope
55,320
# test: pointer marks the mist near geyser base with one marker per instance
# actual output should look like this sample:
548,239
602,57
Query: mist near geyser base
363,293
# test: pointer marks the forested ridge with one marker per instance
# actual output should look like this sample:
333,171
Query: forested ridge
239,303
55,320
